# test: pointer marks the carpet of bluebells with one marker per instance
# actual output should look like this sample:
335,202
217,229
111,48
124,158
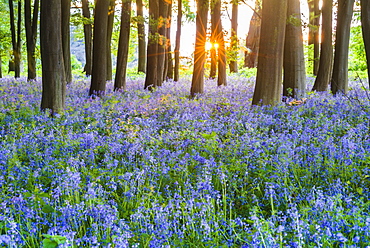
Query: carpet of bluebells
157,169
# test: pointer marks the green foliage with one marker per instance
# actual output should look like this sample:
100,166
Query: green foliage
357,56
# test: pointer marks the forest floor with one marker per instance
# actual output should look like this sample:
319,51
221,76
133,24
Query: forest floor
157,169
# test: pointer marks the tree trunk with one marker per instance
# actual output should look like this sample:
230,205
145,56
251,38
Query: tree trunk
53,78
152,51
163,7
66,38
339,80
169,67
123,46
141,37
213,50
326,55
270,57
197,83
99,67
219,38
177,42
87,36
253,38
31,35
111,11
294,81
233,64
365,21
16,37
313,33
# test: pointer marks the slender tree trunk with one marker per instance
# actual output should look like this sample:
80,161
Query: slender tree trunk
31,35
169,74
99,67
141,37
87,36
253,38
233,64
16,37
163,7
326,56
197,83
213,50
177,42
53,77
152,51
294,81
111,11
66,38
219,38
339,80
123,46
313,33
365,21
270,57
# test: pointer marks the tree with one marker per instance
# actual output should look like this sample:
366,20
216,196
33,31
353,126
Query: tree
270,57
16,37
313,33
53,77
169,60
110,23
219,39
233,64
30,20
99,67
197,83
161,50
177,42
213,50
339,80
326,55
87,36
294,81
253,38
152,50
365,21
141,36
123,46
66,38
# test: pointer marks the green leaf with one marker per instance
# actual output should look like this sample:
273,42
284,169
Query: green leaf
47,209
209,136
48,243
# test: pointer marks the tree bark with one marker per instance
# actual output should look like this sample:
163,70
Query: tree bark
365,21
197,83
163,7
123,47
294,81
31,35
339,80
53,77
99,67
66,38
177,42
16,37
111,11
253,38
152,50
326,56
213,50
270,57
169,63
313,33
141,37
233,64
87,37
219,39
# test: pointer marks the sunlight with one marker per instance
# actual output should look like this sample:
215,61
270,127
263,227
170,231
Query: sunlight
209,45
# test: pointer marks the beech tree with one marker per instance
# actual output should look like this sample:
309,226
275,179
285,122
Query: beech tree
339,80
233,63
168,74
161,50
53,73
111,10
326,55
99,67
15,63
294,81
141,37
123,46
177,41
66,38
270,57
313,33
197,83
365,22
213,50
87,37
253,37
219,39
30,21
